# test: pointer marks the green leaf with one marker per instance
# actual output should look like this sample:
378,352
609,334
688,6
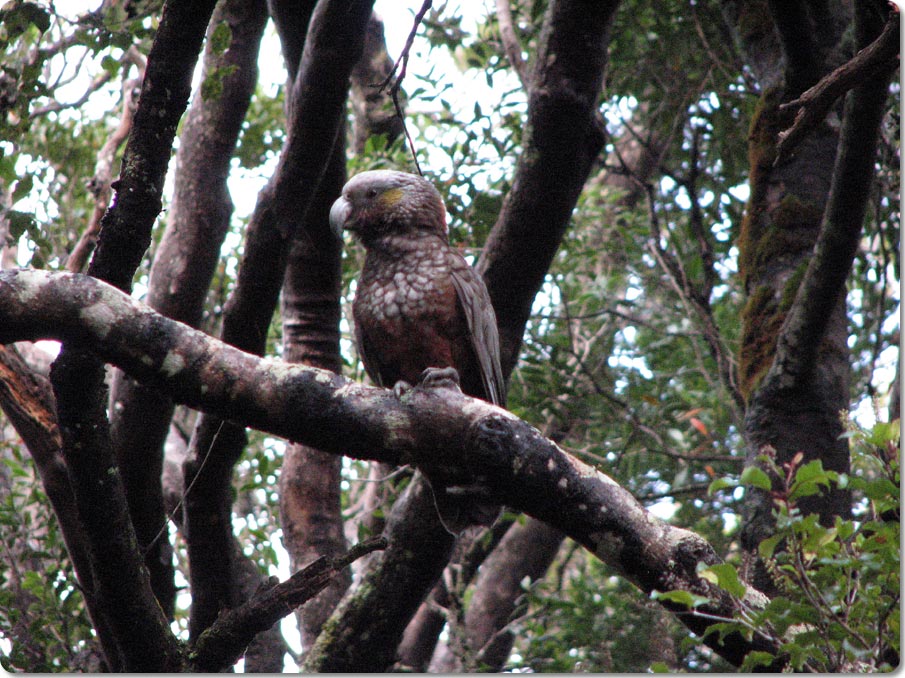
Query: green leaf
23,187
810,478
755,659
884,432
768,546
212,87
880,489
755,477
805,649
19,223
32,581
801,613
725,576
109,64
813,470
726,628
18,18
719,484
684,598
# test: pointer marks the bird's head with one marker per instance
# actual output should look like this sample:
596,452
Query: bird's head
379,204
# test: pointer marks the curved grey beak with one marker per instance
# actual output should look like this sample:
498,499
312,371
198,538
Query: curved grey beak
338,215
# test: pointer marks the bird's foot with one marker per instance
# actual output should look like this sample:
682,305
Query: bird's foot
432,377
400,388
440,377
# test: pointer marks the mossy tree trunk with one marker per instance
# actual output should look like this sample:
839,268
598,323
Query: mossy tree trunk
792,411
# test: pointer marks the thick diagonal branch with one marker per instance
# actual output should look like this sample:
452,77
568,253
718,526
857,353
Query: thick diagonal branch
436,427
563,138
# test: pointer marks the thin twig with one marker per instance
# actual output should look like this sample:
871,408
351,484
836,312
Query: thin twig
55,106
697,304
225,641
185,493
511,45
635,320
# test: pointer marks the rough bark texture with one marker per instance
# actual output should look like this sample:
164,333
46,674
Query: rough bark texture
364,632
143,641
429,426
126,228
310,479
184,264
122,595
875,62
101,183
310,510
823,285
419,641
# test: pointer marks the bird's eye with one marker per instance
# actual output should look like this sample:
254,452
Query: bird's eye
372,192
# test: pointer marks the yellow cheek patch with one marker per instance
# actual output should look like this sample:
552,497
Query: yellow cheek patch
391,197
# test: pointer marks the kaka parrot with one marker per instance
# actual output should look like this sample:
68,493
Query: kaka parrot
419,304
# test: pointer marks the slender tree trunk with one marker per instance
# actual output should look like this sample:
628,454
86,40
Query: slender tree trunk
143,641
181,273
310,511
314,109
527,550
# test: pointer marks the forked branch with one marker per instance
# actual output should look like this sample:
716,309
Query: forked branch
220,646
880,59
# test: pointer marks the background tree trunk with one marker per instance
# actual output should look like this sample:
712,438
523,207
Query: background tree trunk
184,265
793,49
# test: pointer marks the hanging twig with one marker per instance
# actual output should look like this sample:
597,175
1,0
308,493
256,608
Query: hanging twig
397,85
55,106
